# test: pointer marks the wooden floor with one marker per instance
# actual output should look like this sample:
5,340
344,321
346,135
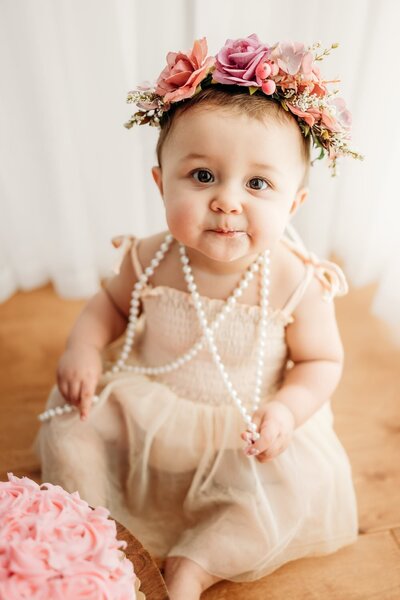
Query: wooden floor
33,329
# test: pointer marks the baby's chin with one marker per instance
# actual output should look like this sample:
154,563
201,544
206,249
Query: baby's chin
235,252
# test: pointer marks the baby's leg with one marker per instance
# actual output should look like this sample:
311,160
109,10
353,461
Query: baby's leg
185,579
73,454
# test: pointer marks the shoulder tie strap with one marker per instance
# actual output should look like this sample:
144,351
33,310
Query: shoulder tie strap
126,243
327,272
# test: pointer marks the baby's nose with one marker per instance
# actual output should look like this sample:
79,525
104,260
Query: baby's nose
227,202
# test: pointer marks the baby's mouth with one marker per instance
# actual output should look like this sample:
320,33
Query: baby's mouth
228,232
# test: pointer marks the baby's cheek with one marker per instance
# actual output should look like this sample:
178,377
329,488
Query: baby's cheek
183,225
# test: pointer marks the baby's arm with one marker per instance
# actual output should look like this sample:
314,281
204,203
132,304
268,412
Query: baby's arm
102,320
316,349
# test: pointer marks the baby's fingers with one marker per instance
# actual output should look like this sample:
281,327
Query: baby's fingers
87,392
269,431
74,391
274,450
63,387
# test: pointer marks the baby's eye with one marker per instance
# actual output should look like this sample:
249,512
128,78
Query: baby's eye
259,180
203,175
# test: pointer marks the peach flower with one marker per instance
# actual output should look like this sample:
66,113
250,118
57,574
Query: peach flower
184,72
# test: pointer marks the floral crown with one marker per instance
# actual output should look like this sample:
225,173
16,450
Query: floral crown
285,72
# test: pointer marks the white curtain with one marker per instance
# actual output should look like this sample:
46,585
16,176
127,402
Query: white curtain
71,176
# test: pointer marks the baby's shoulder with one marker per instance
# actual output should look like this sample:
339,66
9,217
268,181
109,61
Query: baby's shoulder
146,247
297,278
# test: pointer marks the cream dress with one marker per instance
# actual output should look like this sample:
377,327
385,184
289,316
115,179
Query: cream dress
164,453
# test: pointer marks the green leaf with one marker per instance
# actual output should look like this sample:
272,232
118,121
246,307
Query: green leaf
253,89
198,89
322,154
284,105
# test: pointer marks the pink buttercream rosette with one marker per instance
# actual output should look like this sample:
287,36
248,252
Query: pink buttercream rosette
54,546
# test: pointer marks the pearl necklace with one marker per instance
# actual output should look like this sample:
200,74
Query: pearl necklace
209,334
208,331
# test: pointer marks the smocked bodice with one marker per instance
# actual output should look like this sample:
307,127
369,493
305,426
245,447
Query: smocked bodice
170,328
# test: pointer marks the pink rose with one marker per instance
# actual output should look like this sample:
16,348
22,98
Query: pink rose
184,72
237,62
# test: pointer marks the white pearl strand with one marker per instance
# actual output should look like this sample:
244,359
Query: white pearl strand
209,335
191,353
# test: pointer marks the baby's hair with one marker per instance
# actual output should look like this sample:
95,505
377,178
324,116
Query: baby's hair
239,101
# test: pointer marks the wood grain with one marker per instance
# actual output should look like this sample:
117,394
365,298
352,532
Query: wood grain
152,583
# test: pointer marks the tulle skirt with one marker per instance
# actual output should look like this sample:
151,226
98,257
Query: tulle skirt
173,471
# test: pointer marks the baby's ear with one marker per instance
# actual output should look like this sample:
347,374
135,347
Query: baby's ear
301,196
157,176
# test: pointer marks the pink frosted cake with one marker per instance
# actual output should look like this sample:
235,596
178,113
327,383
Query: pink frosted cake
54,546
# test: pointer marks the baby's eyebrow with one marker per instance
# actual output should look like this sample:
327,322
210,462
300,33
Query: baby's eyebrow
195,155
266,167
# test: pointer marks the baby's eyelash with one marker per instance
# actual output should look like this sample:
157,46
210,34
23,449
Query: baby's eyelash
192,173
261,179
197,171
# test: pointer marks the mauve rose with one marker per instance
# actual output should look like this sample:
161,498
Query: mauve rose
184,72
237,61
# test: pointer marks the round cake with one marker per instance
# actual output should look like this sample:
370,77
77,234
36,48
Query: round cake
53,545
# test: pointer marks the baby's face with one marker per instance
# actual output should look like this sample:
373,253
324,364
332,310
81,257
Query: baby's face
223,171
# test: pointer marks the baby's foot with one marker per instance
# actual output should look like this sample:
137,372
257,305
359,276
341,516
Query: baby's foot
185,579
184,590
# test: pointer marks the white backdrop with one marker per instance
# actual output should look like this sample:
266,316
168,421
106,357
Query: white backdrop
71,176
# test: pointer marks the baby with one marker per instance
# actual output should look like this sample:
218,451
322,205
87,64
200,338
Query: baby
212,437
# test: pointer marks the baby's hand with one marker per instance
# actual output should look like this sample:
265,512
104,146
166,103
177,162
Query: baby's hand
275,423
78,372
